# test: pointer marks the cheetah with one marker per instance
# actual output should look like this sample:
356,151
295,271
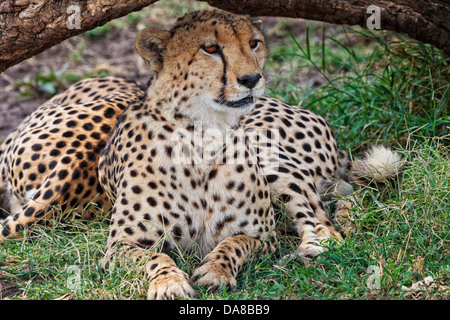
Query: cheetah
195,161
196,164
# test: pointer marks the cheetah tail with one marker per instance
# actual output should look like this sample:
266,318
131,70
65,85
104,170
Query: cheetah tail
378,164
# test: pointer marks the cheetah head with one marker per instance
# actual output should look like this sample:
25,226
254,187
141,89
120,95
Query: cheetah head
209,65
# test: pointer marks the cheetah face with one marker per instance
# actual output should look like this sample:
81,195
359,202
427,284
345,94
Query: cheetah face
210,62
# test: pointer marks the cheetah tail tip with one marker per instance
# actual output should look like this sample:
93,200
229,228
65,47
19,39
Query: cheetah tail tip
378,164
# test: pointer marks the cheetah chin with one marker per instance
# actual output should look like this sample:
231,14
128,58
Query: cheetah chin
245,102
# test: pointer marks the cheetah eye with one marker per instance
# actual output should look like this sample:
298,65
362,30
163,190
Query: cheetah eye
254,44
212,49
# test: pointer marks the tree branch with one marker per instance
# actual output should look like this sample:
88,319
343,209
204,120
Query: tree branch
28,27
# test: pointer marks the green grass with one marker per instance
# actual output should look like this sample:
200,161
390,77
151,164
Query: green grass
378,89
380,94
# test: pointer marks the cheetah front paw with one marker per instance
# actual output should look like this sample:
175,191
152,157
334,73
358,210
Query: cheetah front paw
305,252
214,276
309,250
170,286
314,243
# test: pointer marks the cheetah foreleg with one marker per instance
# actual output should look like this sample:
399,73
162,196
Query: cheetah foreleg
166,280
312,225
220,267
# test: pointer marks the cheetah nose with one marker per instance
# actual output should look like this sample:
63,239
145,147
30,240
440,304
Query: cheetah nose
250,80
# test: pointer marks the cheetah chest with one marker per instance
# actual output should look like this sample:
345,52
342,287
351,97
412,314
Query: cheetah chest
198,201
226,201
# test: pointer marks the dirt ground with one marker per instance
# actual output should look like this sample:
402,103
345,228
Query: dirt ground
7,289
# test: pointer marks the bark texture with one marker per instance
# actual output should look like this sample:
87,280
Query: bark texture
28,27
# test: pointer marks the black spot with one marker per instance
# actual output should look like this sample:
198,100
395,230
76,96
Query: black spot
212,174
60,144
88,126
81,137
177,233
82,116
55,153
168,128
62,174
95,135
169,151
129,230
299,135
290,149
282,169
286,122
317,130
230,185
105,128
109,113
271,178
76,174
68,134
29,212
97,119
47,195
307,147
36,147
306,119
71,124
79,188
151,201
295,187
65,188
41,168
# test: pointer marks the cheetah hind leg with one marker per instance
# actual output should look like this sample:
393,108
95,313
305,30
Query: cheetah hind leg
37,210
15,225
220,267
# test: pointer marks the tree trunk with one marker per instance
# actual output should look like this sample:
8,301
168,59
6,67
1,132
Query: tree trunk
28,27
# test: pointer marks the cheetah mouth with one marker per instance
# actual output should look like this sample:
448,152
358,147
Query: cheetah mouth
238,103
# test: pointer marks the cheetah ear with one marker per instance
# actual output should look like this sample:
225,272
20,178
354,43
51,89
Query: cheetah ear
151,45
258,24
